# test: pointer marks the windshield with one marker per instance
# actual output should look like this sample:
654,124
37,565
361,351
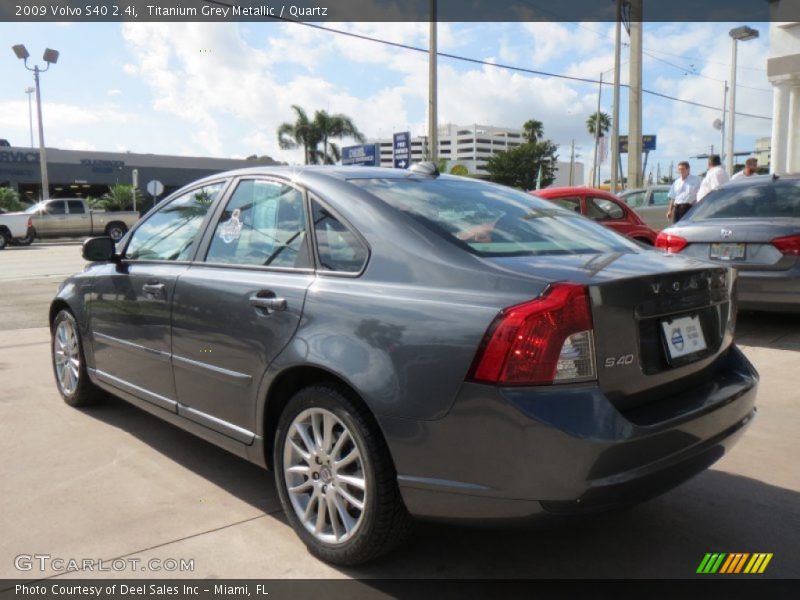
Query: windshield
763,201
493,220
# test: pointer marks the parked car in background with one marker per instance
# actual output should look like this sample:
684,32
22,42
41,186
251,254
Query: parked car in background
650,203
397,343
603,207
59,217
13,226
752,224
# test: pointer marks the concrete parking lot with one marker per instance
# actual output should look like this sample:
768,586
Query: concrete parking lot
114,482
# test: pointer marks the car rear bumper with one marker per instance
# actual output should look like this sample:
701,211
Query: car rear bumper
777,291
511,453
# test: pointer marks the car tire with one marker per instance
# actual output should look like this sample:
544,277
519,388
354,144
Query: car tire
116,231
27,240
66,349
367,517
3,241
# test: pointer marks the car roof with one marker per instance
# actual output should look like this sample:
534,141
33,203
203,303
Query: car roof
340,172
763,180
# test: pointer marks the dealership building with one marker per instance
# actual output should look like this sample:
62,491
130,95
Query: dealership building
74,173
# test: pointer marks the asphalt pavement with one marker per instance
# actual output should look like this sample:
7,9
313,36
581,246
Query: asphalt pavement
113,482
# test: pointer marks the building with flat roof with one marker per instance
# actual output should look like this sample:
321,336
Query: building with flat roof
471,146
90,173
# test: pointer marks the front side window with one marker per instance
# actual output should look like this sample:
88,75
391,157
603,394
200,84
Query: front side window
171,233
338,248
660,198
56,208
494,220
766,201
635,200
573,204
264,224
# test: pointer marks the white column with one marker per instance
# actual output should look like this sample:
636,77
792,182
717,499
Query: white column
793,155
780,128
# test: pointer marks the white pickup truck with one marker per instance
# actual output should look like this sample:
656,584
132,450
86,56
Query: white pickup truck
59,217
13,226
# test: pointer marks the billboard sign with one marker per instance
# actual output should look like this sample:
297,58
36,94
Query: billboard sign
365,155
648,143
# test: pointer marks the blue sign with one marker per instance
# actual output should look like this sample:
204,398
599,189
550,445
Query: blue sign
401,150
648,143
365,155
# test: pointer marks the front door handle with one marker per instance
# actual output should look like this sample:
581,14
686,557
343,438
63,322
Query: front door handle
154,289
268,301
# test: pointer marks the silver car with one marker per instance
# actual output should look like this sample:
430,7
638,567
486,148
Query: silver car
753,225
650,203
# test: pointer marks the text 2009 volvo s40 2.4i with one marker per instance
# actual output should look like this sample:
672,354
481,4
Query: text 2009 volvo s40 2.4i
397,344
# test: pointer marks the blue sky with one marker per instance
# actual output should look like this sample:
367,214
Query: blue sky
222,89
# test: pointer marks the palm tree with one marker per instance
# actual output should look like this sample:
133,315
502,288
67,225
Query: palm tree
119,197
328,126
303,132
533,130
605,123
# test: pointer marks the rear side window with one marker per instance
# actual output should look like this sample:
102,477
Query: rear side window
338,248
635,200
494,220
76,207
601,209
769,201
264,224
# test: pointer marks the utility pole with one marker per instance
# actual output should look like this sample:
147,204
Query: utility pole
433,134
724,120
615,116
635,174
596,169
572,164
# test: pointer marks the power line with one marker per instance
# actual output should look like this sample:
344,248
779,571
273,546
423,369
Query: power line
493,64
696,74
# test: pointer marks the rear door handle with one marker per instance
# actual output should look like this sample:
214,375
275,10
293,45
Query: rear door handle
154,289
268,301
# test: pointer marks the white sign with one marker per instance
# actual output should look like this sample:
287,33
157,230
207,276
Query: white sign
155,188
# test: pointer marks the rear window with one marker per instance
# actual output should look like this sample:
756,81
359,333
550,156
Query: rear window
765,201
493,220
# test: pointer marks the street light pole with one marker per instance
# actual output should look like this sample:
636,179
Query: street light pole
50,57
433,133
739,34
29,90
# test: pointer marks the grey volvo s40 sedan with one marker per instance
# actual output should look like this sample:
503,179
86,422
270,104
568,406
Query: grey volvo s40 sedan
397,344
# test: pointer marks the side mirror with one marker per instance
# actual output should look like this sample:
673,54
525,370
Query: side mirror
99,249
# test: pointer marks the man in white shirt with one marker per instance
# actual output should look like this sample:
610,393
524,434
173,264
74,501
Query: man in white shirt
715,177
683,193
750,169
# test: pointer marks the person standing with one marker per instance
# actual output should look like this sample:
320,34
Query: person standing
683,193
750,169
715,177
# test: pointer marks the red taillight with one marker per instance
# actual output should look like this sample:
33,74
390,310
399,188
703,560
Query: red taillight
526,343
788,245
670,242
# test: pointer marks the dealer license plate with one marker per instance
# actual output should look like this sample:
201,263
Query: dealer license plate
727,251
684,336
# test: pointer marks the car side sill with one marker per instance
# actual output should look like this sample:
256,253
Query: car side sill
218,439
121,384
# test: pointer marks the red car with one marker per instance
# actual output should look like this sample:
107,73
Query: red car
603,207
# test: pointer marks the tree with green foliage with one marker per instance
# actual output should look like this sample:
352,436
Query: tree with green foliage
9,200
330,126
119,197
519,167
459,170
605,123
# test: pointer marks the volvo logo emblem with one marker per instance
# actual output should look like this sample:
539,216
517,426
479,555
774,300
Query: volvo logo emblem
726,233
676,286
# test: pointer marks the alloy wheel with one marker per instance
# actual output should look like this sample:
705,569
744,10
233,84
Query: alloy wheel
325,477
67,357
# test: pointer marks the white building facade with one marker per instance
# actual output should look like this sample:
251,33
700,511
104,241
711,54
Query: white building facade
783,71
471,146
